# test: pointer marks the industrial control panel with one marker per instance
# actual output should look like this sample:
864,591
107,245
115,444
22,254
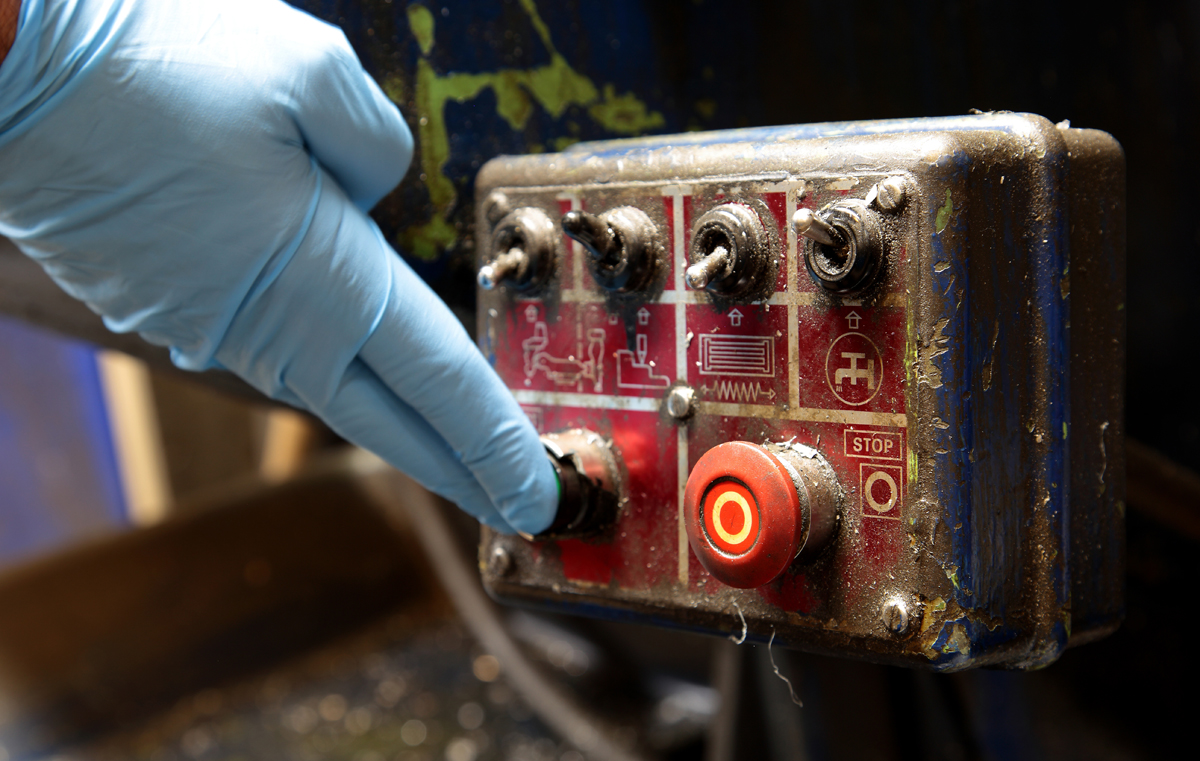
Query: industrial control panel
853,388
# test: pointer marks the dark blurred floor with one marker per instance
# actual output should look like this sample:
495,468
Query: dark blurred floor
413,688
322,636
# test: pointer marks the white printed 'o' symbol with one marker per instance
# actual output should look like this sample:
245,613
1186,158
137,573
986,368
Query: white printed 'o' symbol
739,537
893,491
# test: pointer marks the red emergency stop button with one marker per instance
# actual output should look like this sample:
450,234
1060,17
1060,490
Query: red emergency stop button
750,510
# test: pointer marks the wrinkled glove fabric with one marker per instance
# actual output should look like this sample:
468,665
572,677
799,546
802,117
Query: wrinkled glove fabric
200,173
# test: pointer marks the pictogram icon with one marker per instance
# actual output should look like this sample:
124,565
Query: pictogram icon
854,369
564,371
751,356
882,489
637,371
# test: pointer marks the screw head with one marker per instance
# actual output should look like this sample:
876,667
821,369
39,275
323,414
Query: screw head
890,193
681,402
894,614
500,561
495,207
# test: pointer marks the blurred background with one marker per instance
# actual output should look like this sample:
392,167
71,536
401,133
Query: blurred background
189,572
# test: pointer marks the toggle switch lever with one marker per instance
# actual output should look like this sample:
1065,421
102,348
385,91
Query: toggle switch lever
594,234
623,245
715,266
814,227
512,266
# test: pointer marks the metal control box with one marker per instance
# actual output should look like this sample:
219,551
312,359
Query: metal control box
926,314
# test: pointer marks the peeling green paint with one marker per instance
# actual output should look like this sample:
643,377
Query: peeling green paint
938,605
1064,431
958,641
554,87
539,26
420,20
952,574
944,214
624,114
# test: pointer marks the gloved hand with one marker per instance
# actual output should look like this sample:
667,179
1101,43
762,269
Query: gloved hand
200,172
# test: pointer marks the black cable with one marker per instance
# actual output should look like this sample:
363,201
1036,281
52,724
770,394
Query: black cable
555,707
1163,489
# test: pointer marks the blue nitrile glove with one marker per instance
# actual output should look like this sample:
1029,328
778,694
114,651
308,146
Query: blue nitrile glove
200,172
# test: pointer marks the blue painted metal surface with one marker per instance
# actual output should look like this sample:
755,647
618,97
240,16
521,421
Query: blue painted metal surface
58,472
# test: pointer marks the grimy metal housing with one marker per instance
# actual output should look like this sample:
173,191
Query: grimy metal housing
957,388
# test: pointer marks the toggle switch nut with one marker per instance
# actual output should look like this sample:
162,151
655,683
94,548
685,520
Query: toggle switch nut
730,253
844,247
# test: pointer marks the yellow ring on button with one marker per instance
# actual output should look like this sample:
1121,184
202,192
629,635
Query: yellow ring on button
739,537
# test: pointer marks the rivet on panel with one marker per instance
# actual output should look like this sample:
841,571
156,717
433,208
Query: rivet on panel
500,561
894,615
681,402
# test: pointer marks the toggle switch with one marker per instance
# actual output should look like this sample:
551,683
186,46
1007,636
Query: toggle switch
730,253
751,510
523,250
589,480
845,244
623,245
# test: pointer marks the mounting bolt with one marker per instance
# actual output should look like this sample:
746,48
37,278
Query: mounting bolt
894,615
500,561
890,194
681,402
495,207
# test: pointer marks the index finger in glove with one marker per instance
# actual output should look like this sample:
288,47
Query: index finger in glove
367,412
421,351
